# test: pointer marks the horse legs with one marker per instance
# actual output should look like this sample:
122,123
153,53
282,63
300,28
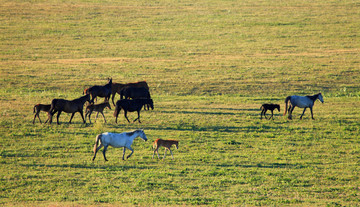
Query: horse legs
165,153
124,153
88,114
265,110
96,116
157,150
57,117
49,115
272,115
82,116
303,113
36,115
132,151
104,151
262,112
72,115
125,114
291,109
312,116
171,153
138,118
103,116
113,96
97,149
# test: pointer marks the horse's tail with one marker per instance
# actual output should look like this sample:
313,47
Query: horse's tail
53,104
117,110
34,108
98,137
261,107
286,104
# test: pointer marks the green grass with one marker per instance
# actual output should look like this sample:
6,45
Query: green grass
210,65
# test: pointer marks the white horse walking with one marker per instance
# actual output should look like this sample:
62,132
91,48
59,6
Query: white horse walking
117,140
301,102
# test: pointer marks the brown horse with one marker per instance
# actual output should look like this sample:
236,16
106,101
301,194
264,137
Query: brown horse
165,143
131,105
62,105
117,87
101,91
135,93
41,107
96,107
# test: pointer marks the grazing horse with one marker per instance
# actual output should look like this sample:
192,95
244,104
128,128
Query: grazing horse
96,107
131,105
117,140
62,105
135,93
41,107
270,107
165,143
117,87
101,91
301,102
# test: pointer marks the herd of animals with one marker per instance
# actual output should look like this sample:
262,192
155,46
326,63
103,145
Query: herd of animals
133,97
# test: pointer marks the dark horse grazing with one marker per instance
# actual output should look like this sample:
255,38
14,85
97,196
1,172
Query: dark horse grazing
302,102
131,105
62,105
117,87
270,107
101,91
41,107
135,93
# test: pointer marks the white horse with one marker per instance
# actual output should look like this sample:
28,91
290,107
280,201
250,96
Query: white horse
117,140
302,102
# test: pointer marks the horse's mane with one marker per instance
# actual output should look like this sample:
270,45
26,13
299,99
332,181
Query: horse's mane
81,99
314,97
133,132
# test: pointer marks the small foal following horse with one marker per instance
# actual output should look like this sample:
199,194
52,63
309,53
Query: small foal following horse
131,105
165,143
301,102
117,140
62,105
41,107
96,107
270,107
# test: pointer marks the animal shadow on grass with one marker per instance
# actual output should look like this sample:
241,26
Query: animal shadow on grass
266,165
214,112
89,166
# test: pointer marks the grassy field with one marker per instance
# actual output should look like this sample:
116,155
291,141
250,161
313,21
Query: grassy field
210,65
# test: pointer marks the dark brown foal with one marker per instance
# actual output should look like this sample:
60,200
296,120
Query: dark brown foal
270,107
97,107
41,107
